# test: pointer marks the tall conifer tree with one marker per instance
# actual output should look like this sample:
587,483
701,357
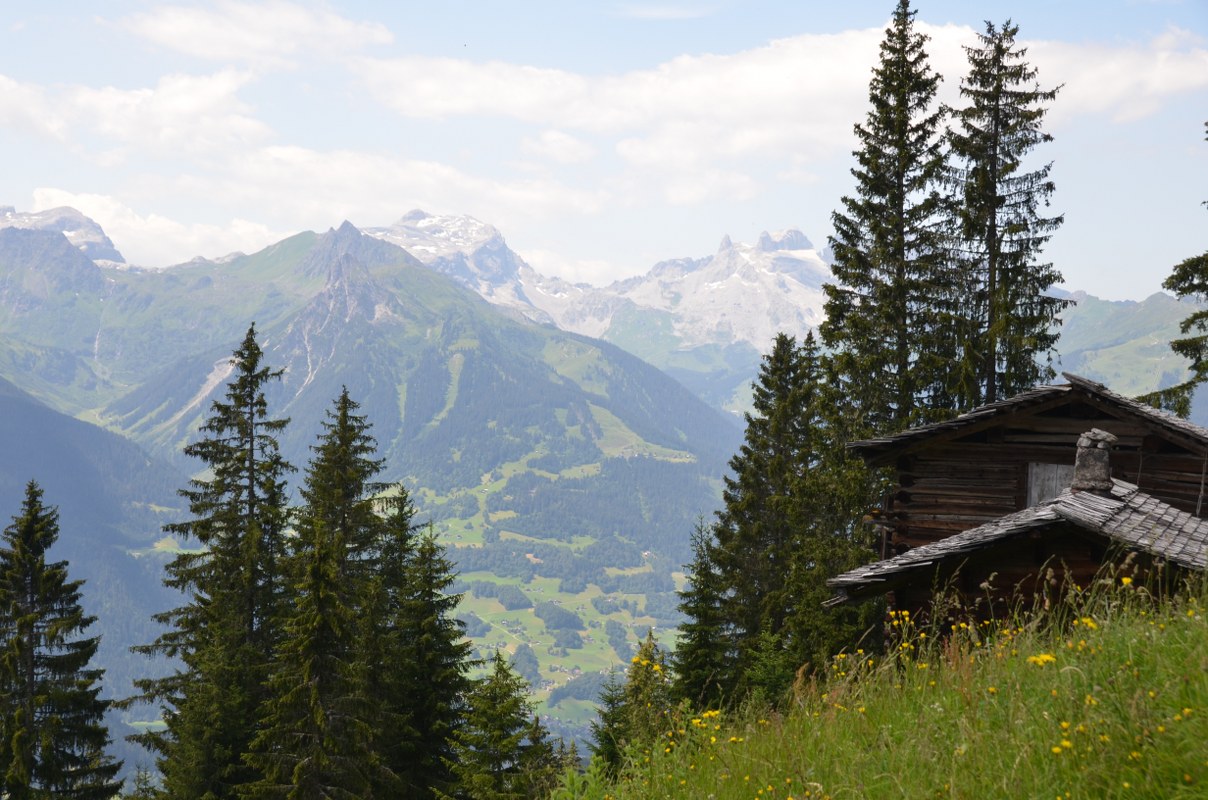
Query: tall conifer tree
791,519
1009,320
426,680
755,529
889,310
224,635
495,748
635,714
317,736
703,657
52,736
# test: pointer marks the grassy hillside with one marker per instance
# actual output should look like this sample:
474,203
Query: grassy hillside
1110,701
1124,344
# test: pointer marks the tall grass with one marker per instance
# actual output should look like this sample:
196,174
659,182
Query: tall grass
1103,697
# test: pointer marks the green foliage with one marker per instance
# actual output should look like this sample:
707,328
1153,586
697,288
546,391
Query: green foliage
423,672
889,311
52,736
701,660
1006,318
636,713
226,632
524,662
791,520
318,726
556,617
1107,700
771,671
609,729
1189,278
501,752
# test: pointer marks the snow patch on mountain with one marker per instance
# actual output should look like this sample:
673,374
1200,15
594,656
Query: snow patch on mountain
81,231
742,293
471,252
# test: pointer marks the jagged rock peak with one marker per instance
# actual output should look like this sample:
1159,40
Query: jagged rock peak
726,244
791,239
345,266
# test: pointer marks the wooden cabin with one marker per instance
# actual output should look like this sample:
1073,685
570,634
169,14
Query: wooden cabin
989,493
1011,455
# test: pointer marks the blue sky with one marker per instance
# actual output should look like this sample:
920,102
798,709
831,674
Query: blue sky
600,137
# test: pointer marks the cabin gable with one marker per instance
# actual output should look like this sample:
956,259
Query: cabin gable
956,475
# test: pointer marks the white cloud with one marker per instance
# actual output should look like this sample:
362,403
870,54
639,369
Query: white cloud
273,33
435,88
793,95
288,188
1125,82
319,188
558,146
789,78
182,113
26,107
597,272
155,240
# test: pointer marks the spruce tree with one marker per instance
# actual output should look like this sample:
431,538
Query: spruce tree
1189,278
889,310
52,736
225,633
608,732
635,713
493,749
423,681
702,655
791,520
1008,320
317,730
755,530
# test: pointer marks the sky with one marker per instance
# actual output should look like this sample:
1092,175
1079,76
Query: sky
599,137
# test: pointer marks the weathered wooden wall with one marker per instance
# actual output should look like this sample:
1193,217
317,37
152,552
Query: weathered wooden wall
1022,571
949,486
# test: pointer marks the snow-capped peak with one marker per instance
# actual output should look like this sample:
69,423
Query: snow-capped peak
429,236
81,231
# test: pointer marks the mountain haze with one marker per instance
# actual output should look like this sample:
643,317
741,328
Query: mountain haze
705,321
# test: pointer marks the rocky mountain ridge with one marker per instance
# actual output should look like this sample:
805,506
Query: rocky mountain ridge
80,230
705,321
743,293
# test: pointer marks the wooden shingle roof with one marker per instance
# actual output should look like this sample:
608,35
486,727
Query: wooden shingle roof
1127,516
881,450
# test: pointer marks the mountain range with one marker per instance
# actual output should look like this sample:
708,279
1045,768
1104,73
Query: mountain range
704,321
707,321
563,438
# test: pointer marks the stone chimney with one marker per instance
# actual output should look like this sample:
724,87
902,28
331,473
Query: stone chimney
1092,464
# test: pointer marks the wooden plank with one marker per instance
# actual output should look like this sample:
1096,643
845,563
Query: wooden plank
1080,425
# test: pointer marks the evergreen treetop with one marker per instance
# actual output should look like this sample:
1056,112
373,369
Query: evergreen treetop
1008,319
493,749
890,305
224,634
793,506
52,733
317,729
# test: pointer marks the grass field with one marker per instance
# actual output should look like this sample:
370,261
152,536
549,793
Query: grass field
1109,700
